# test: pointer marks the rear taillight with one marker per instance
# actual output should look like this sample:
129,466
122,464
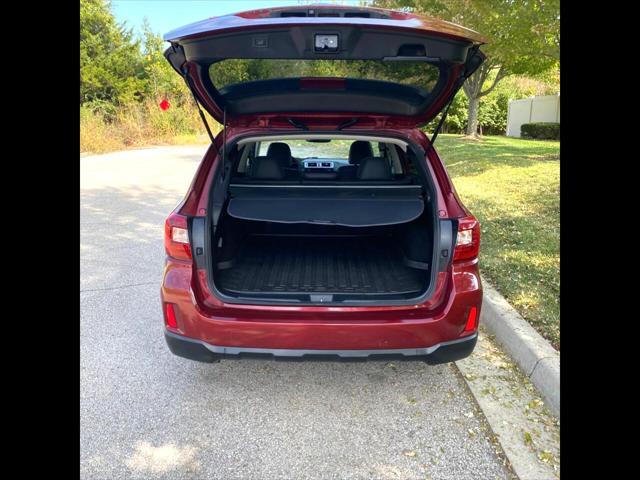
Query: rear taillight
468,239
170,316
176,237
472,320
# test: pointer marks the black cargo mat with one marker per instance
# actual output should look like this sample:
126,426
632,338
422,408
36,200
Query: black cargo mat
329,265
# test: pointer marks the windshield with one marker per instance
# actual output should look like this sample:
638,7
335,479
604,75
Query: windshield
422,75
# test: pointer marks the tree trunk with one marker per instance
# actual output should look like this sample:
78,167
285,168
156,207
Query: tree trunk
473,90
472,120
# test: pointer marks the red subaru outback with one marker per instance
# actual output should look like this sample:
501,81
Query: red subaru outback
321,221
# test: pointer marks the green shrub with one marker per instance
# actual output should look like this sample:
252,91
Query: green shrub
541,130
140,123
492,114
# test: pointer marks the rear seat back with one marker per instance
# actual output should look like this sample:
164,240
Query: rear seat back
266,168
272,168
357,151
374,168
281,152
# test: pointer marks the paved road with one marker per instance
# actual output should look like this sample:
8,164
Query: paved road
148,414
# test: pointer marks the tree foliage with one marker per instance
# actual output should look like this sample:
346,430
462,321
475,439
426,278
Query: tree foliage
111,65
523,38
162,80
120,70
523,35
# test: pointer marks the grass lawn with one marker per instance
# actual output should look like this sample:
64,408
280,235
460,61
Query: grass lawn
512,186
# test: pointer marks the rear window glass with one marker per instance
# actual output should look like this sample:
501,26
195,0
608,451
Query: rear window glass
233,71
305,149
305,156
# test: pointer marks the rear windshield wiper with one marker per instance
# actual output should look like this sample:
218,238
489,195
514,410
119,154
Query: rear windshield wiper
348,123
297,124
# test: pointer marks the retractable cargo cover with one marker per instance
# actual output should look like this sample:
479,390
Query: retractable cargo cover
365,206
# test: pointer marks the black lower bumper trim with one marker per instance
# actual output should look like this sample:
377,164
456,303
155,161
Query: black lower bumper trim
197,350
452,352
190,348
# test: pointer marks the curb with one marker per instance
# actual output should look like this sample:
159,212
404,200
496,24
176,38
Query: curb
537,359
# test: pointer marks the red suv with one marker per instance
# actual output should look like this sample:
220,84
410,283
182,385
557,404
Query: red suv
321,221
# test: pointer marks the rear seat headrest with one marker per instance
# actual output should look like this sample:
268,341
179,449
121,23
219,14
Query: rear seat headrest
359,150
267,168
281,152
374,168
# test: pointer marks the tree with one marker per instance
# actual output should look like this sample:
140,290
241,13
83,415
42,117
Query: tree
111,65
523,39
162,80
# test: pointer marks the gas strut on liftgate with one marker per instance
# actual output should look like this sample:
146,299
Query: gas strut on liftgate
206,124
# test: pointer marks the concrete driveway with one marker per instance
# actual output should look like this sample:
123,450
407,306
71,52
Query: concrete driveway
148,414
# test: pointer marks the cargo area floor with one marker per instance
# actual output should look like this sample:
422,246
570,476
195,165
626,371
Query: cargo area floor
328,265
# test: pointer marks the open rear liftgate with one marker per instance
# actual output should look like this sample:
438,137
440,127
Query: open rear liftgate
324,267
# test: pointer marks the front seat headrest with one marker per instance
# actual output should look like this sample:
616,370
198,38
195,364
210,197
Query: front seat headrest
374,168
281,152
267,168
359,150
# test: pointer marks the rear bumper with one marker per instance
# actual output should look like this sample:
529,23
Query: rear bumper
201,351
313,330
